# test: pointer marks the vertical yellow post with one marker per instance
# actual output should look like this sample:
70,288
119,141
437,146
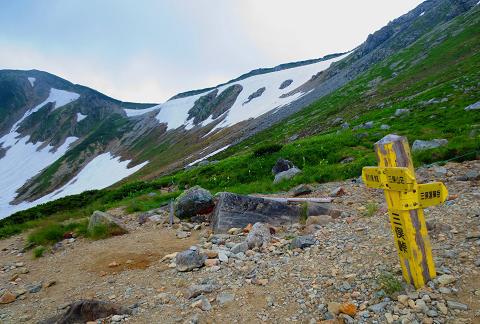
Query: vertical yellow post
408,224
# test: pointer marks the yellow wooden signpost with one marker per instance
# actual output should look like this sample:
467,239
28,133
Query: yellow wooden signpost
405,199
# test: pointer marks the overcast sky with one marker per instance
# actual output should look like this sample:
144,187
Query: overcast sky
149,50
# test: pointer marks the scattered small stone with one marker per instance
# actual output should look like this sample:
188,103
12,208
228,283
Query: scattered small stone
446,279
7,298
202,303
378,308
337,192
225,298
456,305
301,242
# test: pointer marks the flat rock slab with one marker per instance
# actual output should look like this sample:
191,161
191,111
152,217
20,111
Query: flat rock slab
234,210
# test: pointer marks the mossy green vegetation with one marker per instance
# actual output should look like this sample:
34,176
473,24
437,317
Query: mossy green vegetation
38,251
389,283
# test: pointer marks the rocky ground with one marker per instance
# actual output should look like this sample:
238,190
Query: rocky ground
333,271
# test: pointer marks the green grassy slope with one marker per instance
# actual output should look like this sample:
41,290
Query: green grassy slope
436,78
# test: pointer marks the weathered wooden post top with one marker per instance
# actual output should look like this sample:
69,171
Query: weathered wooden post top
406,199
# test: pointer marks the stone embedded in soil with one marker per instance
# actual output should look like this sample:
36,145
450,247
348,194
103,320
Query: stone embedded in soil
7,298
189,260
302,242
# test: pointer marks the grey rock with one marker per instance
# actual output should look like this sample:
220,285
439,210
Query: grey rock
345,125
259,235
285,84
419,145
400,112
189,260
337,121
319,220
347,160
286,175
222,256
203,303
101,218
456,305
34,288
378,308
240,248
197,290
432,313
194,201
302,242
256,94
440,171
384,127
182,234
302,190
368,125
225,298
470,175
281,165
237,211
474,106
477,262
86,310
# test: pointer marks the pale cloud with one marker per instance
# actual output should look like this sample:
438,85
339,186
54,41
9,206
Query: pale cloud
286,30
155,49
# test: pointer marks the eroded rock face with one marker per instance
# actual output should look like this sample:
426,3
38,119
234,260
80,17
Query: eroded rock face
238,211
87,310
285,84
256,94
194,201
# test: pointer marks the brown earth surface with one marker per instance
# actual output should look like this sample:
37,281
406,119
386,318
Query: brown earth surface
344,267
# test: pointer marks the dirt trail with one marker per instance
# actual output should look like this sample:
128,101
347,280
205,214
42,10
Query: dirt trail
342,267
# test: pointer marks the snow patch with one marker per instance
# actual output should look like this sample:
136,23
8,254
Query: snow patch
175,112
61,97
32,81
80,117
423,12
138,112
209,155
103,171
21,162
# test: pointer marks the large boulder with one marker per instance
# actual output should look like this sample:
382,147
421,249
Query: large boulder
101,218
238,211
419,145
258,236
194,201
281,166
189,259
286,175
